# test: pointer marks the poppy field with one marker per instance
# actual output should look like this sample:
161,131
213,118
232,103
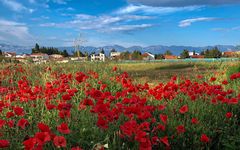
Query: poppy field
100,106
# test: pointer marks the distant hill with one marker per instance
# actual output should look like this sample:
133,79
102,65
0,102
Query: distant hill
155,49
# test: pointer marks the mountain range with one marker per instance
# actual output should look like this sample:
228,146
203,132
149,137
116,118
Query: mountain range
155,49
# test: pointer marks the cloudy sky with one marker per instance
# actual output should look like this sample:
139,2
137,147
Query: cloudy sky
124,22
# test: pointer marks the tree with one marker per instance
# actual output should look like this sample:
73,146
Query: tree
168,52
213,53
102,51
65,53
238,47
125,55
113,50
185,54
36,48
159,56
1,52
136,55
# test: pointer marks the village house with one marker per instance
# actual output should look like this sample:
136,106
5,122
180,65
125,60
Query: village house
231,54
170,57
148,56
197,56
55,56
193,54
23,56
115,55
98,57
39,57
79,58
9,54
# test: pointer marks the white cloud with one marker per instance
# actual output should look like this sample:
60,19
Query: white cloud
153,10
15,31
102,23
180,3
127,28
15,6
188,22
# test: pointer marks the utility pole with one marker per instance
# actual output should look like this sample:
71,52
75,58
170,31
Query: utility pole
79,42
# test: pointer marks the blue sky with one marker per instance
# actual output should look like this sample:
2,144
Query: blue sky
123,22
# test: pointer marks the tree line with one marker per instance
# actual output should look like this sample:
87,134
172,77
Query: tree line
49,50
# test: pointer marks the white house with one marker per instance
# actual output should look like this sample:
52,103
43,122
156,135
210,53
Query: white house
192,53
114,55
56,56
148,56
23,56
98,57
39,58
9,54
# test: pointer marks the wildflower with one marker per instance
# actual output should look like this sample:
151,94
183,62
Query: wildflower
59,141
42,137
204,138
43,127
18,111
22,123
229,115
30,143
163,118
183,109
164,140
194,121
4,143
181,129
63,128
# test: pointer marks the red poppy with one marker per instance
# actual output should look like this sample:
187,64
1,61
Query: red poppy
42,137
204,138
229,114
224,82
183,109
194,121
212,79
181,129
30,144
43,127
59,141
164,140
9,114
163,118
4,143
63,128
18,111
22,123
2,123
102,123
66,97
114,68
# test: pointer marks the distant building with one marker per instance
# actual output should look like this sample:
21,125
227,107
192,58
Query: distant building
170,57
231,53
193,53
23,56
39,57
197,56
56,56
9,54
79,58
114,55
148,56
98,57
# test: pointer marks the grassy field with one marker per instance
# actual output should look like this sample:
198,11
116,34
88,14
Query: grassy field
120,106
162,72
